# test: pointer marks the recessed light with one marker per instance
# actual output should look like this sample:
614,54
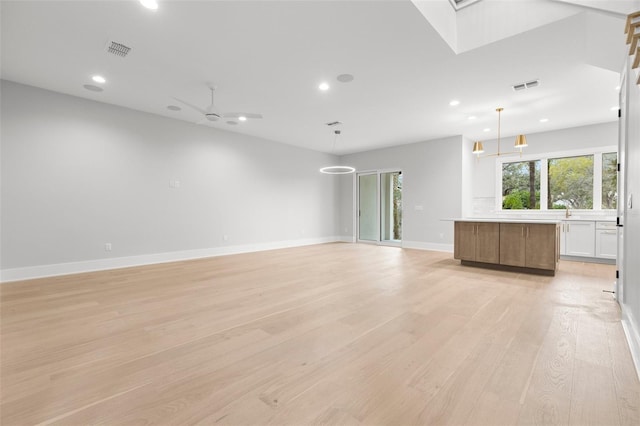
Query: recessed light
149,4
324,87
174,108
617,89
614,108
242,118
454,102
99,79
544,120
486,130
345,78
472,117
93,88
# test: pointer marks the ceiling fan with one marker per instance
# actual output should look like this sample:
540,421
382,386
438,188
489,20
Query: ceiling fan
211,113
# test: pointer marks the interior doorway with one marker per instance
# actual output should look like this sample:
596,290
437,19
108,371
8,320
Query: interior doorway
379,207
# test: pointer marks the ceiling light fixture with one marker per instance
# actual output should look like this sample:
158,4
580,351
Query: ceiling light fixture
99,79
324,87
472,117
337,170
454,103
345,78
486,130
614,108
544,120
149,4
521,142
93,88
242,118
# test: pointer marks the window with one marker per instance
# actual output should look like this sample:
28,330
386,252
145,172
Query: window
521,185
583,179
571,182
610,180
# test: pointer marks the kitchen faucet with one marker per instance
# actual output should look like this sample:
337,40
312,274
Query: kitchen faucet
567,213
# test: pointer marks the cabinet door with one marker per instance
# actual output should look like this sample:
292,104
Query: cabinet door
512,244
580,238
563,238
606,243
465,241
541,246
488,242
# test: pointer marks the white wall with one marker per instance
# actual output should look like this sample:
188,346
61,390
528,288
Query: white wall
631,260
431,179
484,170
77,174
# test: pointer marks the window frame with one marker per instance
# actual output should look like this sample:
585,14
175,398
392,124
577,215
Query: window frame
544,176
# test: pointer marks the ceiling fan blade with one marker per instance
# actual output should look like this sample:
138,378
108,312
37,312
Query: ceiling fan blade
241,114
194,107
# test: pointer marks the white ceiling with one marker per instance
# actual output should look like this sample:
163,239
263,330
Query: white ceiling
269,57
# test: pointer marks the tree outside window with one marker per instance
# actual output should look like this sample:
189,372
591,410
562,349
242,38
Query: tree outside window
610,180
571,182
521,185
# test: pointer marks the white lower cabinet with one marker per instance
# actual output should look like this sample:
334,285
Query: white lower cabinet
579,238
606,240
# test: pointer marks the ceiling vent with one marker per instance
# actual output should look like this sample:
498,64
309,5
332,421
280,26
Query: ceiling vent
333,123
526,85
118,49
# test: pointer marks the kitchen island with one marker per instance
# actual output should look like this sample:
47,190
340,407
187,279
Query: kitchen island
514,245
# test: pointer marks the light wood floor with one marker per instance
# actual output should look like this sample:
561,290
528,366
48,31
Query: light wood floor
326,334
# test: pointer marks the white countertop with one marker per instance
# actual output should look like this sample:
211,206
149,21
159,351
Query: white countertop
534,220
504,220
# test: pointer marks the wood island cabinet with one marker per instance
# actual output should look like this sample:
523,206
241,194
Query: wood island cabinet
530,247
477,241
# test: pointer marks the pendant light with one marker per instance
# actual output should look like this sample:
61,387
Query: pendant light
337,170
521,142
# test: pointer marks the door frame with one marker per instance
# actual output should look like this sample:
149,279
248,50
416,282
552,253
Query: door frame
356,207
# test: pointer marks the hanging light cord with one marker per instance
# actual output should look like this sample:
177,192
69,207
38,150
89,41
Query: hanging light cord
499,111
335,139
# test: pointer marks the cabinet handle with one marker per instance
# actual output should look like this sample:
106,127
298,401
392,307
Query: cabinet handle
527,232
567,227
522,229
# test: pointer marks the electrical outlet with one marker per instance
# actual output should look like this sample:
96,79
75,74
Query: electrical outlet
107,246
225,237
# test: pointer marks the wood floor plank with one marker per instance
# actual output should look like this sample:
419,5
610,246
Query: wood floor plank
325,334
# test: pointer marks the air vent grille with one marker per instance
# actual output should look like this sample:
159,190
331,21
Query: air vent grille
526,85
118,49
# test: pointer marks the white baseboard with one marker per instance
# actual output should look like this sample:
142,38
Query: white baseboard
630,326
427,246
347,239
42,271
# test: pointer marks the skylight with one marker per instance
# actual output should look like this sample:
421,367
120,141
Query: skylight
459,4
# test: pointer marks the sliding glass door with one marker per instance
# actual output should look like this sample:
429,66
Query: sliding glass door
379,202
367,207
